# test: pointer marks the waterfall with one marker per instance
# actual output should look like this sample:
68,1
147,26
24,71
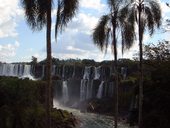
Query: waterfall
83,90
74,71
89,89
100,90
86,89
7,70
65,92
63,73
87,72
18,70
97,73
53,70
27,70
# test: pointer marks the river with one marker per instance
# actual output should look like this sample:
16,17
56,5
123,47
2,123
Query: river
90,120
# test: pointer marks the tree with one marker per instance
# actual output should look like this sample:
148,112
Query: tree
107,30
159,52
147,14
34,60
38,15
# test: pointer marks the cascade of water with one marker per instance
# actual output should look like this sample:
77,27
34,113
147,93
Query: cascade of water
5,69
74,71
11,70
63,73
89,89
8,70
27,70
53,70
65,92
100,90
87,72
97,72
20,70
83,90
16,68
86,89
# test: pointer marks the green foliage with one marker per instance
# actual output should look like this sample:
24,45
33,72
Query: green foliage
159,52
22,105
34,60
156,95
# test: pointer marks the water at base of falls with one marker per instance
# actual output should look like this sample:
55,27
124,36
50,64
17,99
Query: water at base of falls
90,120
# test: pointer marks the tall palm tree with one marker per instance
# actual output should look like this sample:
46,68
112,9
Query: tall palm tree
107,30
38,15
147,14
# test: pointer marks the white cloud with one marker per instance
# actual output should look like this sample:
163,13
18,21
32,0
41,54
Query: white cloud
8,17
27,58
7,51
165,9
92,4
83,23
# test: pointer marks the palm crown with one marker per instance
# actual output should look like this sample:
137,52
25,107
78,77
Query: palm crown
36,12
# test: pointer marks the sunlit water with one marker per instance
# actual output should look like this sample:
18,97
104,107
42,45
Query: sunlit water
90,120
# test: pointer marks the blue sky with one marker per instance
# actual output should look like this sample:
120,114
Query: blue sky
19,43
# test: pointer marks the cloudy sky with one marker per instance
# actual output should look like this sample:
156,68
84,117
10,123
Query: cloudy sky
18,43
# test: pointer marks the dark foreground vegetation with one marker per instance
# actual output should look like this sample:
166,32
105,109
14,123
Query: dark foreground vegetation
22,105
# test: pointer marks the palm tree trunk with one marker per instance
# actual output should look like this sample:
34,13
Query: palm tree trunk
140,71
48,64
116,72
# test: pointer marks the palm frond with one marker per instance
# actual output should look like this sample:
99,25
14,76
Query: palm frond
108,32
30,12
58,19
142,27
35,13
150,20
128,29
156,11
101,33
42,13
123,14
66,11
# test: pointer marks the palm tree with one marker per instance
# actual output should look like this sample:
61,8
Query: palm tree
147,14
38,15
106,30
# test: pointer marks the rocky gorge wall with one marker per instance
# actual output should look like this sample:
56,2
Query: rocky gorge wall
74,84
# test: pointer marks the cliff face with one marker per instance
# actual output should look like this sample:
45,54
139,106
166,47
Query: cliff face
75,84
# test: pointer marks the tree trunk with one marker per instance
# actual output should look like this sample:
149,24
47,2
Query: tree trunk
48,65
140,70
114,43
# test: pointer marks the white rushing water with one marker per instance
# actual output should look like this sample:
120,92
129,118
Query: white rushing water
100,90
87,71
65,92
86,89
90,120
17,70
97,73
